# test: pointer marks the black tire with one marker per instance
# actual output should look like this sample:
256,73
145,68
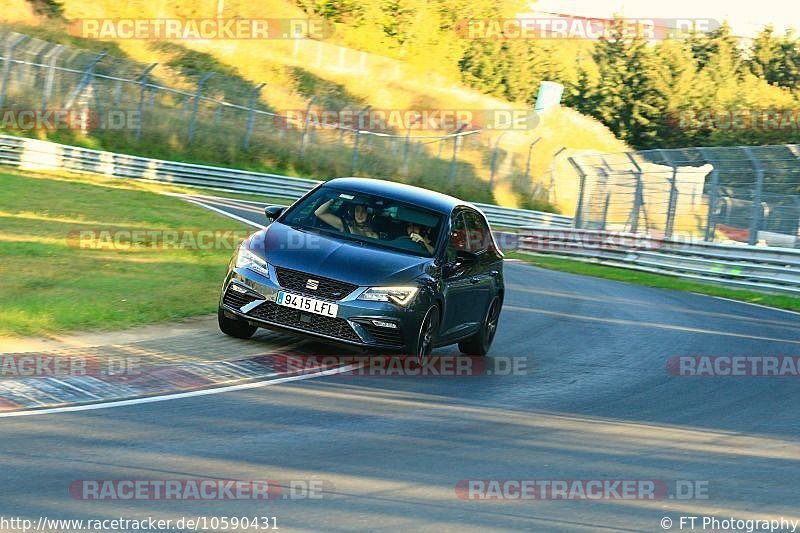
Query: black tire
480,343
234,327
427,332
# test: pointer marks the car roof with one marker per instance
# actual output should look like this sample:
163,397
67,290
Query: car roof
425,198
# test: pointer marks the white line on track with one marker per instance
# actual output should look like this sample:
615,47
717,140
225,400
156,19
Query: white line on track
225,213
179,395
756,305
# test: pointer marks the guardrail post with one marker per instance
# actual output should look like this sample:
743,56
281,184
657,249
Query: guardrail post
7,67
758,214
306,119
143,78
251,116
354,161
577,222
196,105
454,160
673,196
638,199
51,73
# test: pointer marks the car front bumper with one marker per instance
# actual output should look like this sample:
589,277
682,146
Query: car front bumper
252,297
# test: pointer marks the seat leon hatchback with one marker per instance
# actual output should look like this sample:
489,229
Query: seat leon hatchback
378,266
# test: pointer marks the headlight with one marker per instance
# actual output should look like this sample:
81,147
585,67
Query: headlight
398,295
249,260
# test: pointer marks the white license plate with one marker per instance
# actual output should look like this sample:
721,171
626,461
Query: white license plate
311,305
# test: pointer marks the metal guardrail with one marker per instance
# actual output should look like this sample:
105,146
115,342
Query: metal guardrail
771,269
747,267
37,155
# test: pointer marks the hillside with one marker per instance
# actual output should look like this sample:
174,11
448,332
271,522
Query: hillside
297,70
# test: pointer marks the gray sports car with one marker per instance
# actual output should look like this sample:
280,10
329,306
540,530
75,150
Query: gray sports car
374,265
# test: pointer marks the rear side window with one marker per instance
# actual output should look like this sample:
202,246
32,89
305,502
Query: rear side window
479,237
457,240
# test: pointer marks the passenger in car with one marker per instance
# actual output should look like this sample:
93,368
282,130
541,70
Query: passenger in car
416,233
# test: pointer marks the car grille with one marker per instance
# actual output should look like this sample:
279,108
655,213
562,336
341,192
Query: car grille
330,289
236,299
388,336
332,327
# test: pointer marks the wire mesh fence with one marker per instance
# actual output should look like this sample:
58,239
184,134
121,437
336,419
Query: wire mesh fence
746,194
175,111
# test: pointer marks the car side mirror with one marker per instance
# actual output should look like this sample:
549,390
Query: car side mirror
274,211
463,259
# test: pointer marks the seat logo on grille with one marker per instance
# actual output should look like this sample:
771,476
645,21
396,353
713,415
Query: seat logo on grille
312,284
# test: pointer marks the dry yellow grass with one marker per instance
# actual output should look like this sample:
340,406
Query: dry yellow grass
362,79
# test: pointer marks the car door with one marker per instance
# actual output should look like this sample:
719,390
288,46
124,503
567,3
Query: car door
483,273
457,282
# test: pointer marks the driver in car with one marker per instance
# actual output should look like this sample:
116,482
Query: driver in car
358,224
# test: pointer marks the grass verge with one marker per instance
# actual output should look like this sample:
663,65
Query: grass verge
791,303
50,284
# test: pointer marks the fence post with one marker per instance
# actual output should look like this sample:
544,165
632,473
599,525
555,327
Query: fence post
528,161
638,199
7,67
493,167
673,195
354,161
251,115
51,73
758,214
306,119
605,211
142,89
713,198
453,161
86,80
407,147
578,220
196,105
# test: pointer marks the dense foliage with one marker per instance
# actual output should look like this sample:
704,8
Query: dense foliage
702,89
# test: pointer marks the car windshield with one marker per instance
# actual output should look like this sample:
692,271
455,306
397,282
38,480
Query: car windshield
367,219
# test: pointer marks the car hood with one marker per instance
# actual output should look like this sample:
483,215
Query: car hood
327,257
